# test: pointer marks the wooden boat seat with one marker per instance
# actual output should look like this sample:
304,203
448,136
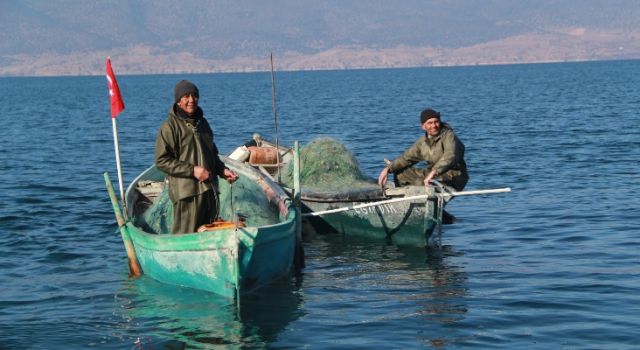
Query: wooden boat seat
147,193
150,189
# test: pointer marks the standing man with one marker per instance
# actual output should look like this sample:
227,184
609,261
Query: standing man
440,148
185,151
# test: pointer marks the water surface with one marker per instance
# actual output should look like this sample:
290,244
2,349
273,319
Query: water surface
553,264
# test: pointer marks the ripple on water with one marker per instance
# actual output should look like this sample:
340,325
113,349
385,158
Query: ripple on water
553,264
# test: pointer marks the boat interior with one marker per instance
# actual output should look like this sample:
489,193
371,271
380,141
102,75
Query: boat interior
245,200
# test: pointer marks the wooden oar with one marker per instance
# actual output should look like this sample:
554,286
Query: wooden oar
134,265
422,196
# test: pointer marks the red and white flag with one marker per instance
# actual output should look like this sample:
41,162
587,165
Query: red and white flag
117,105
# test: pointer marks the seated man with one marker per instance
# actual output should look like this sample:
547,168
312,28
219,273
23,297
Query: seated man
440,148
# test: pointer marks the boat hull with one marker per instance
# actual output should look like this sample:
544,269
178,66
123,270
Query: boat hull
410,222
229,261
224,262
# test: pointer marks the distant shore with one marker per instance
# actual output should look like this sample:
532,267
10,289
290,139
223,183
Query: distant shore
148,60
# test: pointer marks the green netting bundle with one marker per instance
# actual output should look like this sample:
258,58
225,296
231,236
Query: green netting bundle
248,199
327,165
159,217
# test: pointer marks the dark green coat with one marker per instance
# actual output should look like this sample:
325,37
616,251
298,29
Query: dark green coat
444,153
183,143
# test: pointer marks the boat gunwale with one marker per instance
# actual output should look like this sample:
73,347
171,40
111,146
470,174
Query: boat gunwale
213,240
273,192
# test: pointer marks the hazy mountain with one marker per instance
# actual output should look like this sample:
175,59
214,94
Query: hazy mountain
44,37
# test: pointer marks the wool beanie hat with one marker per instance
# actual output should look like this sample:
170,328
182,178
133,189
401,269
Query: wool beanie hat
185,87
428,114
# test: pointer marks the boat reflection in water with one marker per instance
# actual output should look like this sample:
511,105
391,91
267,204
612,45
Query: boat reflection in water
357,287
396,288
169,317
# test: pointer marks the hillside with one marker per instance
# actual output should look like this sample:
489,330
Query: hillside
73,37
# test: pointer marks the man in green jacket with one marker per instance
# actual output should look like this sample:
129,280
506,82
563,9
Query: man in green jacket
185,151
440,148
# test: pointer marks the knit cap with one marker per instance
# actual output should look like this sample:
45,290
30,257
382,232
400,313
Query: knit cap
428,114
185,87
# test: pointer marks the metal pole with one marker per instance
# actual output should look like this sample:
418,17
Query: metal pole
275,116
422,196
117,149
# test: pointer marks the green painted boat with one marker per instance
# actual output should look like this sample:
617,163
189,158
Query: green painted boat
229,261
335,197
404,215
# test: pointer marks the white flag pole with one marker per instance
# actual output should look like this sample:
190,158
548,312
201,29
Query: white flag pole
117,149
116,107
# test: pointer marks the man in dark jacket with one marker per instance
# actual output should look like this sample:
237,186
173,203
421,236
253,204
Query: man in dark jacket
440,148
185,151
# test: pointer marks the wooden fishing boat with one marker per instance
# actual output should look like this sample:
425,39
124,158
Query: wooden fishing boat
403,215
408,215
254,247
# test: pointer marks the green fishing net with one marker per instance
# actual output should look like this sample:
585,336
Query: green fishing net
326,165
159,217
247,199
244,198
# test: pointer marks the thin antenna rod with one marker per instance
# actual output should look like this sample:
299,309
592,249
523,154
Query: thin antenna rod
275,117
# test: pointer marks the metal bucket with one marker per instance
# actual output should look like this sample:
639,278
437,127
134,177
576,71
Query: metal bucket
263,155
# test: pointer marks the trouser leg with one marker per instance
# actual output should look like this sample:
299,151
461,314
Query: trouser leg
455,179
415,176
190,213
410,176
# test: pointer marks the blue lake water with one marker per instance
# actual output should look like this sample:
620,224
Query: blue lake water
555,264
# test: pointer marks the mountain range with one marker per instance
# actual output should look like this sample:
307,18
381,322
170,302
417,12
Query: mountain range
73,37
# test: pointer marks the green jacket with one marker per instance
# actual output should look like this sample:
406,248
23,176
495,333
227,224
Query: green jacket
183,143
444,152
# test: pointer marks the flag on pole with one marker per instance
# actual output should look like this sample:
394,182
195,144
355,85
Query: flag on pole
117,105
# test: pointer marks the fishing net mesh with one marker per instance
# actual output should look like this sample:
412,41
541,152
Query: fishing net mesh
244,198
159,217
327,165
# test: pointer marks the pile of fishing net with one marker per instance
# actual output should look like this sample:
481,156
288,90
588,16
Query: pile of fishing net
326,165
159,217
248,200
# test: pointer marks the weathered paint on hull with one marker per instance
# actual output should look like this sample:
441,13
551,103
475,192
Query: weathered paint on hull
217,261
226,261
401,222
